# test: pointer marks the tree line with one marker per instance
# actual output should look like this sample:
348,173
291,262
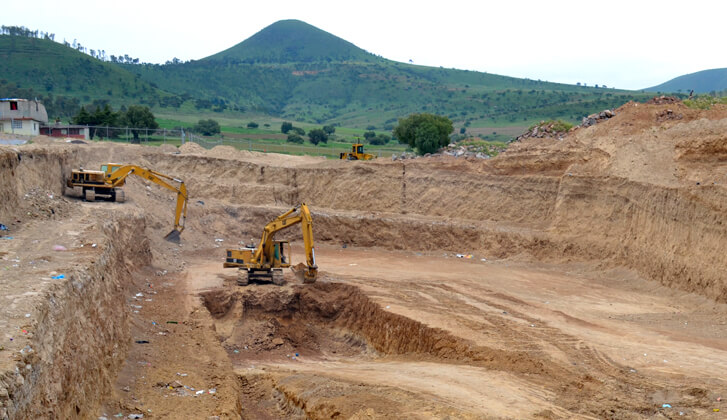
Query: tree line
135,117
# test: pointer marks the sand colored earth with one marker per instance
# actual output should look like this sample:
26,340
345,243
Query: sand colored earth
595,286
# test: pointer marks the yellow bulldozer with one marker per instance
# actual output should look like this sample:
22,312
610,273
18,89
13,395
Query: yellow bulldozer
267,261
106,184
357,153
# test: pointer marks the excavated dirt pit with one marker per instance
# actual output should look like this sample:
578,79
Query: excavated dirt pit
574,278
265,323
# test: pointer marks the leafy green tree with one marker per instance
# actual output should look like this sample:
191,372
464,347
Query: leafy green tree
299,131
424,132
380,140
207,127
369,135
285,127
329,129
317,135
139,117
252,124
294,138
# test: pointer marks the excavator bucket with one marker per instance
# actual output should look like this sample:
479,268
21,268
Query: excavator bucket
303,273
173,236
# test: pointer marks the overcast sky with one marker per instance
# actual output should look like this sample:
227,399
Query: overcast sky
625,44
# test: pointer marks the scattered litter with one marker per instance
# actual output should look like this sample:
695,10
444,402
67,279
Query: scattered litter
172,322
181,374
136,416
142,341
387,306
3,227
200,392
200,202
139,295
7,237
352,264
147,300
219,240
58,277
483,259
27,315
532,325
716,410
59,248
93,245
118,415
719,398
467,256
297,355
666,406
212,390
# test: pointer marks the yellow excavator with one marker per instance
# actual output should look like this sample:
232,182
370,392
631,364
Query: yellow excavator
267,261
357,153
107,183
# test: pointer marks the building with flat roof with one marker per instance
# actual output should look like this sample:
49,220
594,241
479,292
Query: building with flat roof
22,116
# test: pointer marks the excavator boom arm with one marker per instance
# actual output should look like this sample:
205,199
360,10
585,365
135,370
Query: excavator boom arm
117,178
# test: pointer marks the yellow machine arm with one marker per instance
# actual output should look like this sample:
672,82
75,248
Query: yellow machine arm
117,177
285,221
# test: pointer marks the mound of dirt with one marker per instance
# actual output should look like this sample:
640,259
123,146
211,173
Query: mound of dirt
192,148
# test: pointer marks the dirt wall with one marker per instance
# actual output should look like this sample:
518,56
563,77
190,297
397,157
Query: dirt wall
27,168
635,191
81,334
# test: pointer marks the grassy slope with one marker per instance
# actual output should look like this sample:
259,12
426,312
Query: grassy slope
50,67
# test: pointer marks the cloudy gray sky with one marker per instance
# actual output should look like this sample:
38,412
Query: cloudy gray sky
625,44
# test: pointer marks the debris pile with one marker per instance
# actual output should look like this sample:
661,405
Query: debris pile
663,100
668,114
43,204
546,130
598,117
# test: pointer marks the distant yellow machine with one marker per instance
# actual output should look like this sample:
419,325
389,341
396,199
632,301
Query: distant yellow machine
107,184
357,153
267,261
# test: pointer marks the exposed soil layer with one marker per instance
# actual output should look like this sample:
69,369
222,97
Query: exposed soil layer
336,326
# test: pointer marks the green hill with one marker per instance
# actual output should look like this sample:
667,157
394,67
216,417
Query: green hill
296,71
706,81
291,41
41,67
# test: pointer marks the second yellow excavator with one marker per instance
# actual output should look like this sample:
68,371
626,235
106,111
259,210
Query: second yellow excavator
107,184
266,262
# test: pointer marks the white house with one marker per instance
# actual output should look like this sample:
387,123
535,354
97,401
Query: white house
22,116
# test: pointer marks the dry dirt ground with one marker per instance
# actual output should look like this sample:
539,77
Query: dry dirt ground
574,278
